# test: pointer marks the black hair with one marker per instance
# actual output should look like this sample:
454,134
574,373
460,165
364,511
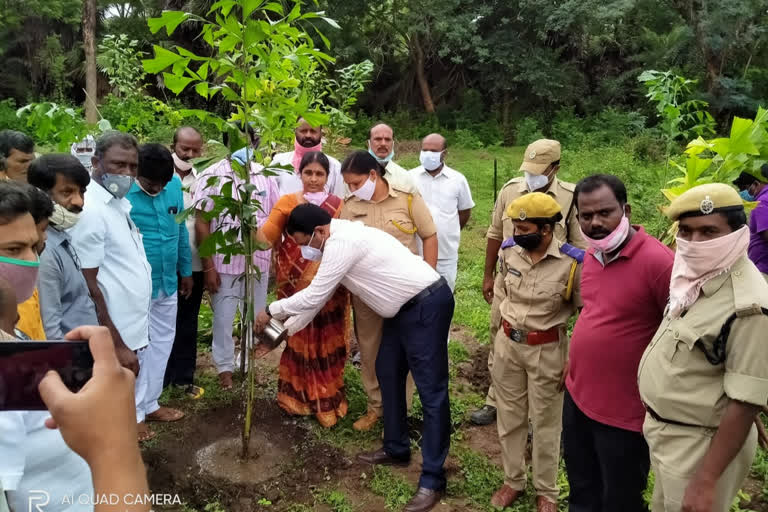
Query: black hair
361,162
594,182
43,171
181,129
370,130
551,221
14,200
735,216
114,138
41,206
11,139
155,163
305,218
315,156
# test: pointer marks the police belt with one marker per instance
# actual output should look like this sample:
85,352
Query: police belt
532,338
426,292
656,416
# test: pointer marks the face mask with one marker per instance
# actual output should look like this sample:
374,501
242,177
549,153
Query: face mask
430,160
85,160
745,195
528,242
242,155
117,184
299,151
62,218
611,242
180,164
383,161
21,275
311,253
150,194
316,198
536,181
366,191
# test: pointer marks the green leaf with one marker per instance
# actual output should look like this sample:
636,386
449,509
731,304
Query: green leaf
325,40
275,7
295,12
695,167
332,23
104,125
315,118
741,130
176,83
169,19
202,89
223,6
250,6
163,59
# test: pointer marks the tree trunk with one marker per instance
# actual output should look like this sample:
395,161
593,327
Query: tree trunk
91,73
421,76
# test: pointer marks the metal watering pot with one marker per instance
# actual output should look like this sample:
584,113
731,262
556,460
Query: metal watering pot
274,333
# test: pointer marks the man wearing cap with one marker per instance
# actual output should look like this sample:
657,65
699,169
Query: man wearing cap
704,376
754,187
539,292
540,166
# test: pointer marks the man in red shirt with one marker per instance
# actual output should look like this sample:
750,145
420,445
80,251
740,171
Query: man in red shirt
625,288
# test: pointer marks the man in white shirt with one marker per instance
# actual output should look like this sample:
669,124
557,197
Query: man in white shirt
112,257
187,145
447,194
381,144
417,306
308,139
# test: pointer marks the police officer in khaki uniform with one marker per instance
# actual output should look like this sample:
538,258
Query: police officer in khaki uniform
540,291
402,214
704,376
540,165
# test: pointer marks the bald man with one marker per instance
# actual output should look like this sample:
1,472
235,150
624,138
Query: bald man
447,194
381,145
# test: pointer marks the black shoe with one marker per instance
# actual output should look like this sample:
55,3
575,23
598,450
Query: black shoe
381,457
484,416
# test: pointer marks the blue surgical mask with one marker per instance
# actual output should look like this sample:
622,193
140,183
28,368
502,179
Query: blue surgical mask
117,184
383,161
745,195
242,155
311,253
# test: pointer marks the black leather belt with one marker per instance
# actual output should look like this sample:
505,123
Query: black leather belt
655,416
426,292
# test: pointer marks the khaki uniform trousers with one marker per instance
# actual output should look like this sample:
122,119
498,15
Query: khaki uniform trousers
526,380
676,452
490,399
368,329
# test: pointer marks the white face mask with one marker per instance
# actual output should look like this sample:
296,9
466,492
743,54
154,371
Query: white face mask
145,190
61,218
431,160
536,181
366,191
311,253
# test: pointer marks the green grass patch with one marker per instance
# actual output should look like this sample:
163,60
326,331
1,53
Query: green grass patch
395,489
336,500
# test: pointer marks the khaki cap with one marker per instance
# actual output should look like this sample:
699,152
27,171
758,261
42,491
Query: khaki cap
704,200
539,155
534,205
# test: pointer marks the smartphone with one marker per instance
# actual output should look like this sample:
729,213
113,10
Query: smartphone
23,364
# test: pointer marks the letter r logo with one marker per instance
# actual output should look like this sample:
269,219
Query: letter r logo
38,500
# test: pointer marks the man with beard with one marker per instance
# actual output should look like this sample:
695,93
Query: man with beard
308,139
704,376
65,302
187,144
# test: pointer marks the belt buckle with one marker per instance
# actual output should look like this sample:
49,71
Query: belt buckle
516,335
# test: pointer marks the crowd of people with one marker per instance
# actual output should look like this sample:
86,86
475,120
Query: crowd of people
662,369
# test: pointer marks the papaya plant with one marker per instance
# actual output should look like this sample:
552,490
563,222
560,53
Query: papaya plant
259,59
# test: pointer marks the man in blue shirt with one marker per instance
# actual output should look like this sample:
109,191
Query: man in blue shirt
156,198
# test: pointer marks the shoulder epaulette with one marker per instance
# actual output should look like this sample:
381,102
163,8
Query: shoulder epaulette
570,187
573,252
509,242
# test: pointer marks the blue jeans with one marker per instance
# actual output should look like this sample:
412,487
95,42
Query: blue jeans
414,340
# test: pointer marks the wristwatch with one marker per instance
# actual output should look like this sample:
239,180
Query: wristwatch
266,310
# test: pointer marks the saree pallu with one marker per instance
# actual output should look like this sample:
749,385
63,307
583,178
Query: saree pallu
311,374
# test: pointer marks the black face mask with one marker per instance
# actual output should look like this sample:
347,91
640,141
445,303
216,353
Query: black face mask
530,241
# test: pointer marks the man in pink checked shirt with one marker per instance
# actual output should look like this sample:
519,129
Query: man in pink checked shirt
222,280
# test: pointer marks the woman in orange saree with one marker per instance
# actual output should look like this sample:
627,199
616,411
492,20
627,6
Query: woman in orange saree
311,373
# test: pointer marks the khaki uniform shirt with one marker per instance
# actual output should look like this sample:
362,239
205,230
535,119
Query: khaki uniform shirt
502,227
675,378
391,212
534,295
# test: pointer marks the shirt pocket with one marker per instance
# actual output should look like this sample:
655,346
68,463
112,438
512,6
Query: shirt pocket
550,294
357,211
681,349
169,229
401,222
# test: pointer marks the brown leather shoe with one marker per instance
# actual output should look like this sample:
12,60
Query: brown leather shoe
544,505
381,457
424,500
505,496
367,422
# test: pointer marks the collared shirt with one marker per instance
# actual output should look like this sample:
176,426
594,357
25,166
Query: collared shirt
758,224
446,194
371,264
106,238
393,216
65,302
624,303
290,182
267,193
400,178
188,184
677,380
567,230
166,242
534,294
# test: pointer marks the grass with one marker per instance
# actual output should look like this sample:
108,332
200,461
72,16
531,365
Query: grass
395,490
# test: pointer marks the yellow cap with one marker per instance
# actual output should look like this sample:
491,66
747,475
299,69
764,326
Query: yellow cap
705,199
534,205
539,155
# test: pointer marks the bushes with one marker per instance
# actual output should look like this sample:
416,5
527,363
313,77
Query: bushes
8,118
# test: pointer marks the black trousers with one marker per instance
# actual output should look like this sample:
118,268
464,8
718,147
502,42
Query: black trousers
607,466
180,370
